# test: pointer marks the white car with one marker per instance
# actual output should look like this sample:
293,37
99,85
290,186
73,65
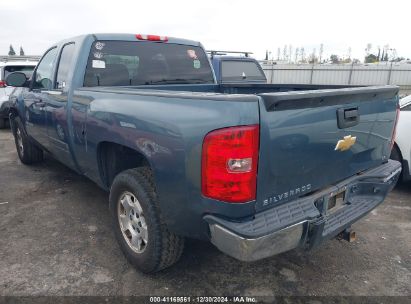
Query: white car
402,147
6,68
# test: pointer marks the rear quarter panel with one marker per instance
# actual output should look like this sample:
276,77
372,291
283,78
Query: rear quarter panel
169,132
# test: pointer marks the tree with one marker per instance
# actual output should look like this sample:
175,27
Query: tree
11,51
302,53
386,50
335,59
21,51
320,55
313,57
368,48
394,54
371,58
285,52
297,52
398,59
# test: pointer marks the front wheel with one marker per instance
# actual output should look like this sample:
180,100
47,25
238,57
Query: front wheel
138,224
28,152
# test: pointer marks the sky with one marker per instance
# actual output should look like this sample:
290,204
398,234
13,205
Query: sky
254,26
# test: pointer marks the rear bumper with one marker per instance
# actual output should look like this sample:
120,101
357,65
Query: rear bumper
305,222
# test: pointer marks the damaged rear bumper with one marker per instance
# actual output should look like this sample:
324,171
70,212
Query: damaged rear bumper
307,221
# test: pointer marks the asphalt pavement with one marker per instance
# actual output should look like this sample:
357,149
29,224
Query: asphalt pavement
56,239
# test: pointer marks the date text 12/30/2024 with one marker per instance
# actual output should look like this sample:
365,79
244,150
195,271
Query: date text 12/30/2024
239,299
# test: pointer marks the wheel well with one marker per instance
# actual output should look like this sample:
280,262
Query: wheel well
397,149
114,158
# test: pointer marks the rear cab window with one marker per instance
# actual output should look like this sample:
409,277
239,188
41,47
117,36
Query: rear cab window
124,63
241,70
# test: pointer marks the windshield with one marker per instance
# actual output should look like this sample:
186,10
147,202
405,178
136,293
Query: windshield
241,70
123,63
26,69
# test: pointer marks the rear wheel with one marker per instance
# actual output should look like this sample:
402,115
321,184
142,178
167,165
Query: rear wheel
2,123
139,227
396,155
27,151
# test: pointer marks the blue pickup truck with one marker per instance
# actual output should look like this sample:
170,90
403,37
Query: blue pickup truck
257,169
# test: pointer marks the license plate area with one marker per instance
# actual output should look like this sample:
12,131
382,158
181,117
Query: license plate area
336,201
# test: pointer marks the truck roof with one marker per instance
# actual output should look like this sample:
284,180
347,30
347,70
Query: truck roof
17,63
213,53
127,37
227,57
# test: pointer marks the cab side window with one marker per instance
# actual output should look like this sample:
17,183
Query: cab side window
64,65
44,73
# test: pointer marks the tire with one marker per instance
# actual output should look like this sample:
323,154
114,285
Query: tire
139,226
27,151
2,123
396,155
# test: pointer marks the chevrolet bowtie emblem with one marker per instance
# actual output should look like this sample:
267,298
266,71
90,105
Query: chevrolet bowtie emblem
346,143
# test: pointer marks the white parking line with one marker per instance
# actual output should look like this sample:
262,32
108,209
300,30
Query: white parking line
4,203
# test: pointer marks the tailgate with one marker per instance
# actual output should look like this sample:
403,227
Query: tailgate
312,139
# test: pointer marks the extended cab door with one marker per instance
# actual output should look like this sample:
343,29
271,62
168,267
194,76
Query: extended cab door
35,99
56,108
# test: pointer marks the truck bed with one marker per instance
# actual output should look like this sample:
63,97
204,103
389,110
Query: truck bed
258,88
299,130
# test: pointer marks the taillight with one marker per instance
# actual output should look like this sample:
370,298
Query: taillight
394,131
152,37
229,164
3,84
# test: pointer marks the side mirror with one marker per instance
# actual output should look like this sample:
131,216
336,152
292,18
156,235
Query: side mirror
16,79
